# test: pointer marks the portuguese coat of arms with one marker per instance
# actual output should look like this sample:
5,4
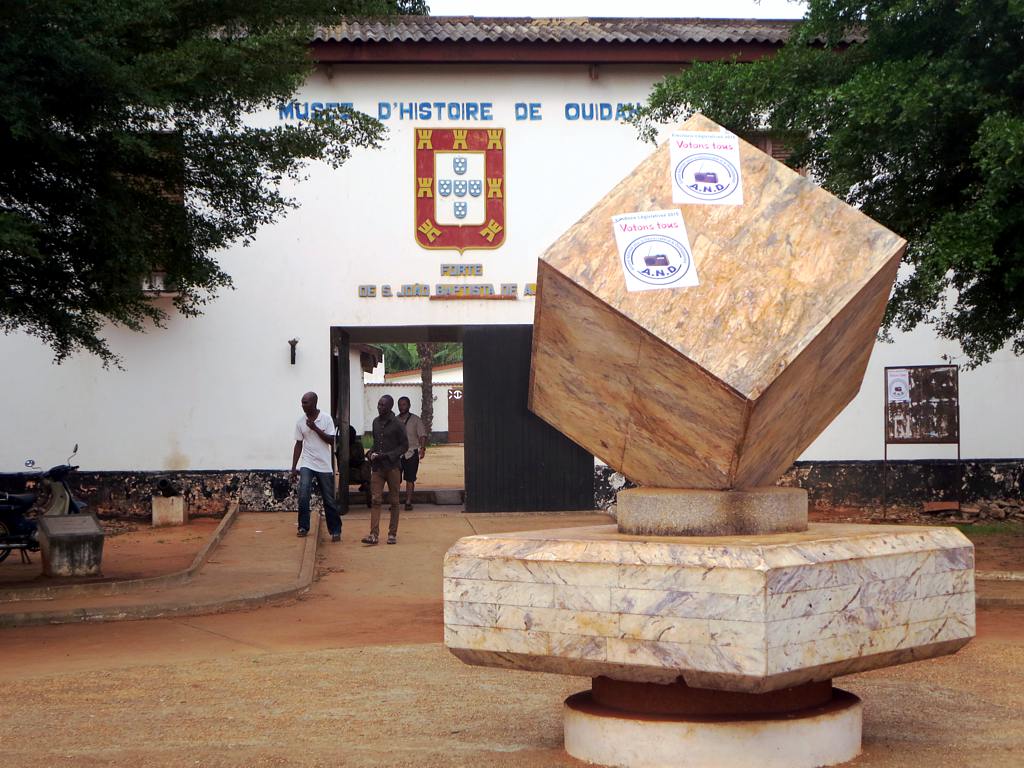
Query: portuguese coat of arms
460,188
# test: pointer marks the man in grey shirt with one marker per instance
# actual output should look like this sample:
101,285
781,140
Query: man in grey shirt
417,435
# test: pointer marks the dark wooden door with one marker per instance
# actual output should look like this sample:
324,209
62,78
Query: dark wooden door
456,419
514,461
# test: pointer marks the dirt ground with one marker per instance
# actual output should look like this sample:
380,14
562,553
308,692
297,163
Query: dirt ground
130,551
354,675
998,546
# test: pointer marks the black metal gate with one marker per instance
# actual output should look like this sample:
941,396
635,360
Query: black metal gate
514,461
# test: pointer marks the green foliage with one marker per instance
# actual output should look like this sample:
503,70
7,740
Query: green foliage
978,530
126,152
921,126
405,357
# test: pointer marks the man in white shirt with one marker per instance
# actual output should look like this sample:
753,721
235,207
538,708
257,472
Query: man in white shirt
314,444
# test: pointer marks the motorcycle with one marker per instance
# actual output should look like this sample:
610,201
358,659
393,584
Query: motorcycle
17,530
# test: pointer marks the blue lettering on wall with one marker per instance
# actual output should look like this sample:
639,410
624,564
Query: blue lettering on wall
625,111
602,111
303,110
527,111
432,110
457,111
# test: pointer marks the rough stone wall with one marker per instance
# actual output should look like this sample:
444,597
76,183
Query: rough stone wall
207,494
830,484
859,483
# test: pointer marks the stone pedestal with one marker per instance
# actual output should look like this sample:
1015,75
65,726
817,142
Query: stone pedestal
681,512
718,386
731,613
717,648
819,734
71,545
169,510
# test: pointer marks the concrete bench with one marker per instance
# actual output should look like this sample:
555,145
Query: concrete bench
71,545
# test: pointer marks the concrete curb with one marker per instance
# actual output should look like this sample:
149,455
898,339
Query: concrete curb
56,591
999,575
175,606
1010,581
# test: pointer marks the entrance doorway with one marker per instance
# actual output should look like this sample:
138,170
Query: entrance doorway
514,462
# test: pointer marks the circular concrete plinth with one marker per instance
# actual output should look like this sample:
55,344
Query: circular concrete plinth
828,734
695,512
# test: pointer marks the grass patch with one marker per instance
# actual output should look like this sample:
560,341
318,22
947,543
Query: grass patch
1011,528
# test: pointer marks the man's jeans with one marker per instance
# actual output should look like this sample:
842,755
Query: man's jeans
326,482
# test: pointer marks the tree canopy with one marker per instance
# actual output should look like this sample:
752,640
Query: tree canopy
407,357
127,152
912,110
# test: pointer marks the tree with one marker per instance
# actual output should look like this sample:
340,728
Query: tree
425,350
126,150
423,356
406,357
912,110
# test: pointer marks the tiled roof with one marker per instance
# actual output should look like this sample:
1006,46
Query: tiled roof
407,29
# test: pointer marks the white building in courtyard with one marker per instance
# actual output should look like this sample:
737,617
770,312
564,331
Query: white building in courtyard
539,107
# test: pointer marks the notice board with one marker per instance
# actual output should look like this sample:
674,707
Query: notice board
922,404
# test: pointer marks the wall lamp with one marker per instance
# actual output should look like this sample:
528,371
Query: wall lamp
293,343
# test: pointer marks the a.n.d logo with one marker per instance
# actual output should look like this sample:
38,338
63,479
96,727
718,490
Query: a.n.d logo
460,188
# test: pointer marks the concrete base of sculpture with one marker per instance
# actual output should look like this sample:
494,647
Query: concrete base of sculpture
819,735
687,512
730,613
169,510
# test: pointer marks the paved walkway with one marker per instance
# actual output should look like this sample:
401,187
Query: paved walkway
260,560
442,467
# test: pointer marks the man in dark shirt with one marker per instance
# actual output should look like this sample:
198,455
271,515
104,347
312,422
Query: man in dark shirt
389,443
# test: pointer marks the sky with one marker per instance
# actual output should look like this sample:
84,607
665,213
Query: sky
712,9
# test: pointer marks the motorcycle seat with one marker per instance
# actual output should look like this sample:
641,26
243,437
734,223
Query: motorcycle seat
24,499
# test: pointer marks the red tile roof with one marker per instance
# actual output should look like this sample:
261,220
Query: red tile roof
562,30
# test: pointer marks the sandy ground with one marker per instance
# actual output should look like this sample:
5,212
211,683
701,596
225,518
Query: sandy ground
415,705
130,551
355,675
442,467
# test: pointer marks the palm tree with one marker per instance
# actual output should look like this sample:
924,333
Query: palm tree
426,350
424,356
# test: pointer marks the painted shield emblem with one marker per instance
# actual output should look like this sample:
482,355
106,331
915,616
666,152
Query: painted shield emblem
458,188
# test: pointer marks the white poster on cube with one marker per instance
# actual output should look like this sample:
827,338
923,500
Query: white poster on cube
705,168
654,250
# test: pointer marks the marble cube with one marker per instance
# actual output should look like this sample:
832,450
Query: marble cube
738,613
724,384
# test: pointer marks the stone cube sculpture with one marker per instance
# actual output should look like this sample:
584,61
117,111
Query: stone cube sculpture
711,617
724,384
